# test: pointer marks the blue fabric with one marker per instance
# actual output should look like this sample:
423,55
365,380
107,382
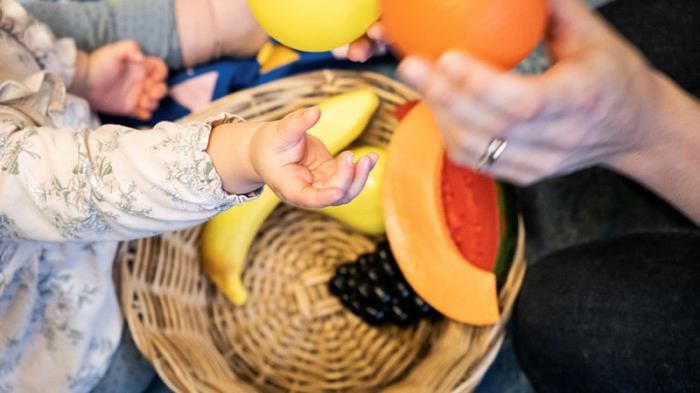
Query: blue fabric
505,374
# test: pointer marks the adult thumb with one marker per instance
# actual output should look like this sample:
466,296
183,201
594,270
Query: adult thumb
572,25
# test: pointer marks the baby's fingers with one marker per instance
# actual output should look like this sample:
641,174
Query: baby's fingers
342,178
305,195
158,91
143,114
129,51
361,173
147,103
157,69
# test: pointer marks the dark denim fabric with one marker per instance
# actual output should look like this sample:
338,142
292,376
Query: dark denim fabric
615,316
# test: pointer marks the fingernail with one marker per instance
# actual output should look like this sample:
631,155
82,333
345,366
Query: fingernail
414,71
310,113
374,159
350,158
337,195
376,32
440,90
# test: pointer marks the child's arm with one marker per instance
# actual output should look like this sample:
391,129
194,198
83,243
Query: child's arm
182,32
117,183
109,184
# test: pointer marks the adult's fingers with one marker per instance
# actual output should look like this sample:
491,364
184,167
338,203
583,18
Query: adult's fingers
416,71
469,112
571,25
509,93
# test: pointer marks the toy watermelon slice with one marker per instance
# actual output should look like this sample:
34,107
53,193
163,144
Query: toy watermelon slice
481,216
452,230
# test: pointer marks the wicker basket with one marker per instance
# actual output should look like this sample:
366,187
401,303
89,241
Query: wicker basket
292,335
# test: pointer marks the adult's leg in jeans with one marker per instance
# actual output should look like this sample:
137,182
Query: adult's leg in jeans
615,316
129,372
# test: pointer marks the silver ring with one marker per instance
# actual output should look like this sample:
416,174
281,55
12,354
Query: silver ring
493,152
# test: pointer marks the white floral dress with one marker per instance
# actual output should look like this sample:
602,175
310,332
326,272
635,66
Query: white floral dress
67,195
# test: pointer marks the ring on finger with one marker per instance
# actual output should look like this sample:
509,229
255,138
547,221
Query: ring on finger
493,152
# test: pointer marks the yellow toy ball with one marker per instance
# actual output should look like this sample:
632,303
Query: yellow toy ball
315,25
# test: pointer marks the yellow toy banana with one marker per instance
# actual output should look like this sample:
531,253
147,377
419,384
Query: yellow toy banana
226,238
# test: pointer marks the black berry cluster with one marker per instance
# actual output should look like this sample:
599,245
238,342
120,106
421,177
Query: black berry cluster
374,289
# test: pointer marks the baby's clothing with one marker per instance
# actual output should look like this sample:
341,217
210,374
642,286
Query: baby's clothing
67,195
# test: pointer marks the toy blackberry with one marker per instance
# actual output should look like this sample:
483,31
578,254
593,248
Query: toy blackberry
373,288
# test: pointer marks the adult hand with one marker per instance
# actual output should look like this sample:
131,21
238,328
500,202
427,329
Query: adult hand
592,106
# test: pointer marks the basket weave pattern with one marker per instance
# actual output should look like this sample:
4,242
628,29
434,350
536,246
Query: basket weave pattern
292,335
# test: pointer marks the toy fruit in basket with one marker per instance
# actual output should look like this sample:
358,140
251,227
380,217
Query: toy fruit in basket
481,216
226,238
374,289
482,221
366,212
315,25
417,230
501,32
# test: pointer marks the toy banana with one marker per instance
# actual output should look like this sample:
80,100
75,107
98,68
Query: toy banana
227,238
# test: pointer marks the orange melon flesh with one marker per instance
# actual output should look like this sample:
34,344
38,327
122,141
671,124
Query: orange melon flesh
417,231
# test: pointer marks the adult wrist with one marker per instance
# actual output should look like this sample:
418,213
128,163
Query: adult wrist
665,130
668,161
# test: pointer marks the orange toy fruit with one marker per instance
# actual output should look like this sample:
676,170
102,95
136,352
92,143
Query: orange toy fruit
417,230
499,32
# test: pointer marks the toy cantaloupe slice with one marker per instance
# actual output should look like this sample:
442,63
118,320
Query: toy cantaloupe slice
417,231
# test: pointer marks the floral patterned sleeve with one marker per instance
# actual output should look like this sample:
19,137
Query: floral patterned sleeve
112,183
55,55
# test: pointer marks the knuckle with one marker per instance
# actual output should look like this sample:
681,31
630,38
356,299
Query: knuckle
458,158
528,108
526,180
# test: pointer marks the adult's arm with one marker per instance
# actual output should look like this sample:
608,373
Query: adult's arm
182,32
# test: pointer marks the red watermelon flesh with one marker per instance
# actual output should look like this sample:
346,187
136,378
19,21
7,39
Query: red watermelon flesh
472,214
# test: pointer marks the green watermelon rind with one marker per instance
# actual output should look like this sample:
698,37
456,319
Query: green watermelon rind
508,217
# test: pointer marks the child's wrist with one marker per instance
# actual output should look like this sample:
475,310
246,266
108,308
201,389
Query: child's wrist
79,85
229,149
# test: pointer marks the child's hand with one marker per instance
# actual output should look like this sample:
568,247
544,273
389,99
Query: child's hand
295,165
122,81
